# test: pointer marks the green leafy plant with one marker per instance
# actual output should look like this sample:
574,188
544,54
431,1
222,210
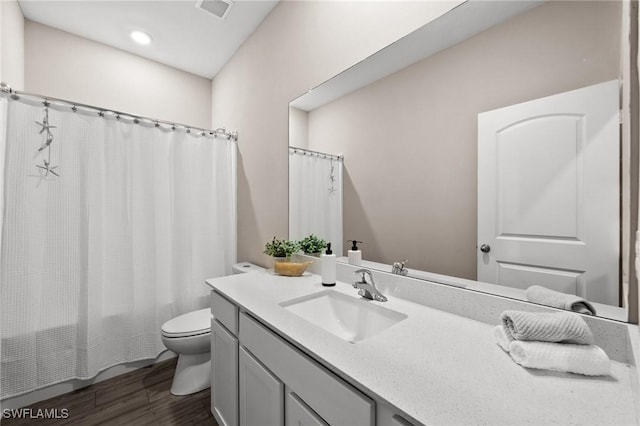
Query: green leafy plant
281,247
312,244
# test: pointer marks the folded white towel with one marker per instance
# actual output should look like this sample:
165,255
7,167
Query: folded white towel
555,299
501,338
546,327
589,360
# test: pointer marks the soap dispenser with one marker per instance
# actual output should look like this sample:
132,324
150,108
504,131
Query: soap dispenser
328,267
354,255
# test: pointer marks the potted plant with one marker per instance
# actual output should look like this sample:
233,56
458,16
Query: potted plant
313,245
281,249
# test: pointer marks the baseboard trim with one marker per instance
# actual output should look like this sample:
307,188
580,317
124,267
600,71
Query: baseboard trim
75,384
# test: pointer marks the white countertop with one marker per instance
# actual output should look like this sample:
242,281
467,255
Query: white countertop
435,367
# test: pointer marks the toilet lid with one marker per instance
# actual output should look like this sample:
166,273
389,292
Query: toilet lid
189,324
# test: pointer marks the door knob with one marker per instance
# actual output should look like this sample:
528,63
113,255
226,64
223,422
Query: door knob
485,248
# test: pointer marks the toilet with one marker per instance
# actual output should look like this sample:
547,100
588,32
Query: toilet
189,336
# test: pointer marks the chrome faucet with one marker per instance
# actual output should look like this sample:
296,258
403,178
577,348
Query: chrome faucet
399,269
366,290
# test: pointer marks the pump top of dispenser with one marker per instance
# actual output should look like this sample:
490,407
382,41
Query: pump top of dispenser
328,249
354,244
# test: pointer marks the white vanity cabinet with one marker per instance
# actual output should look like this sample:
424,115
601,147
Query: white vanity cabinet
258,378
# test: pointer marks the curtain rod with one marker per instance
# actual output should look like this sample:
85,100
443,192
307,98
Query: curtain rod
15,95
304,151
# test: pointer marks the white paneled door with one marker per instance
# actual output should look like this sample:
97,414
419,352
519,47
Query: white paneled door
549,193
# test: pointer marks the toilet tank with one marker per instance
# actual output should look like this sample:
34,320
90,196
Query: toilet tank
242,267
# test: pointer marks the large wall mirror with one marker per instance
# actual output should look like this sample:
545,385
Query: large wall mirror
484,148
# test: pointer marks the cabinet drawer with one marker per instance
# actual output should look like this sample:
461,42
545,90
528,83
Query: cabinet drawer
225,312
331,398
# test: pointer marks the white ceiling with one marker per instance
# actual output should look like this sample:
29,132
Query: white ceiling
184,37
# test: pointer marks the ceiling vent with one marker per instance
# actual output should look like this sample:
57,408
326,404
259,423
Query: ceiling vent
218,8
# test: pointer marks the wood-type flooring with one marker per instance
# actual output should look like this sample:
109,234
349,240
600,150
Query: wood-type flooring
141,397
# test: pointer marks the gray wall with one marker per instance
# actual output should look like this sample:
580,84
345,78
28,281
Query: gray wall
67,66
299,45
298,128
410,139
11,44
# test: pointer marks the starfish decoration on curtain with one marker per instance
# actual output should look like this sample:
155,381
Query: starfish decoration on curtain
48,168
47,143
45,126
332,178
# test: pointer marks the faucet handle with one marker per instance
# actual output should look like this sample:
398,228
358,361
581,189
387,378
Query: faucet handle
368,290
364,272
399,268
363,279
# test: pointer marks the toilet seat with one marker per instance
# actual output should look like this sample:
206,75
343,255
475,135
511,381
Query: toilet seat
189,324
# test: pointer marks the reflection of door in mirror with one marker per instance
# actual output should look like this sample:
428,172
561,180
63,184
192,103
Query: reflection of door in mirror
410,186
548,185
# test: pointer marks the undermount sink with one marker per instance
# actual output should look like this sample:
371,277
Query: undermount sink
350,318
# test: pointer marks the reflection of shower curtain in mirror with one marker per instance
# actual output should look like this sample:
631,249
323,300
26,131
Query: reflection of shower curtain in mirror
315,198
96,259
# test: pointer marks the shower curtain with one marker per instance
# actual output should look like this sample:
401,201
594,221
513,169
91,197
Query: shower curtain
109,231
315,197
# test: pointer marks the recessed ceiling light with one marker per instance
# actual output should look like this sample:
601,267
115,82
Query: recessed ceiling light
140,37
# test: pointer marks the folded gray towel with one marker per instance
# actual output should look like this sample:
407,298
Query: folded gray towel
555,299
561,327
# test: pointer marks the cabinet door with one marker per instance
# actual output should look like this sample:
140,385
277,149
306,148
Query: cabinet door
261,394
224,375
299,414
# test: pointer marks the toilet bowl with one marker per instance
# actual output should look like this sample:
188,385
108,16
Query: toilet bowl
189,336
